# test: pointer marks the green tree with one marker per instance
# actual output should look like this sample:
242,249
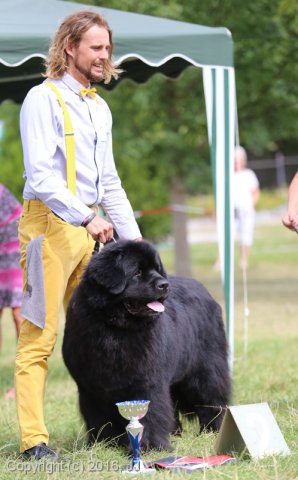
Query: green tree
11,164
265,38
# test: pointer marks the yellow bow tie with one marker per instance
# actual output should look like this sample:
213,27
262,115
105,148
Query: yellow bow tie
88,91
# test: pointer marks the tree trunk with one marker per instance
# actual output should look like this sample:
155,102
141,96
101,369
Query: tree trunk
179,228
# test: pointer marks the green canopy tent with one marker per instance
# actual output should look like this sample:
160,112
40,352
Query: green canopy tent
145,45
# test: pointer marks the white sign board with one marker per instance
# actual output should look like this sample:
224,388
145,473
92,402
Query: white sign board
250,429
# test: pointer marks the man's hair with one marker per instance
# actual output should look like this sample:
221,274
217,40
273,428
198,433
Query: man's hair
71,31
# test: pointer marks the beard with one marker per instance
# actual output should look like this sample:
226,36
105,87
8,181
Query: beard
88,74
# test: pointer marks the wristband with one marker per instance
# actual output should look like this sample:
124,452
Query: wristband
88,219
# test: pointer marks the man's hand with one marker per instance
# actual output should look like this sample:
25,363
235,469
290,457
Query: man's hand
100,230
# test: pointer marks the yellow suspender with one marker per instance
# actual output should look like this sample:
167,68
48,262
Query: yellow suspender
69,141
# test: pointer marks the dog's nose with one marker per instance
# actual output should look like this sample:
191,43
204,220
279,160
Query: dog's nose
163,285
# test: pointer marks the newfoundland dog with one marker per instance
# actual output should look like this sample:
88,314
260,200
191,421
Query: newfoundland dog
133,333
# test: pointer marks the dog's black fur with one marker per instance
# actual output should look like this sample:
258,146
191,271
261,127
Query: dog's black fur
117,348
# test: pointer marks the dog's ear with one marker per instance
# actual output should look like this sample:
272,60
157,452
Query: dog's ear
106,269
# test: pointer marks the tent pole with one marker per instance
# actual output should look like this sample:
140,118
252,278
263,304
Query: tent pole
219,90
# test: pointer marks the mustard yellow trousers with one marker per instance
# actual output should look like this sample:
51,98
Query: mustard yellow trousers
65,252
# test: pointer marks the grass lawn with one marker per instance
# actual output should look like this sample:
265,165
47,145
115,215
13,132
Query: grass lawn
267,372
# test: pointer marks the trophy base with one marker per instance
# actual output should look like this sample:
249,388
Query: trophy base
139,469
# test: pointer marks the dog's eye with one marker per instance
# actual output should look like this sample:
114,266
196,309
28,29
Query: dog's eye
138,273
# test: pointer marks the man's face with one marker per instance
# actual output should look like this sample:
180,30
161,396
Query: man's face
86,60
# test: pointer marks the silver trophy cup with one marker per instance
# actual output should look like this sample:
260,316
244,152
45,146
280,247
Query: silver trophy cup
133,411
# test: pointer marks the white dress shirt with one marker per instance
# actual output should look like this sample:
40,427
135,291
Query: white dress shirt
97,180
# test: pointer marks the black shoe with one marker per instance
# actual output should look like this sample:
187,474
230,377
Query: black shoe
41,450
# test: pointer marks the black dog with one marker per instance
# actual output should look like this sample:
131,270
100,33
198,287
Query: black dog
133,334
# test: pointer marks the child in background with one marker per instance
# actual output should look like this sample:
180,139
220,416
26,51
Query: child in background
246,195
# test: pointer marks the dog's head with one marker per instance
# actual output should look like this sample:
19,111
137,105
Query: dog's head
131,274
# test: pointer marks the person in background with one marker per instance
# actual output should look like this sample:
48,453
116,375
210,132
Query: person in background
60,224
11,275
290,218
246,195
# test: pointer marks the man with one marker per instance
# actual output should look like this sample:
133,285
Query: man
63,187
290,218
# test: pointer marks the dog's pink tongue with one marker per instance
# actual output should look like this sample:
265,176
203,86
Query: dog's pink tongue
156,306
